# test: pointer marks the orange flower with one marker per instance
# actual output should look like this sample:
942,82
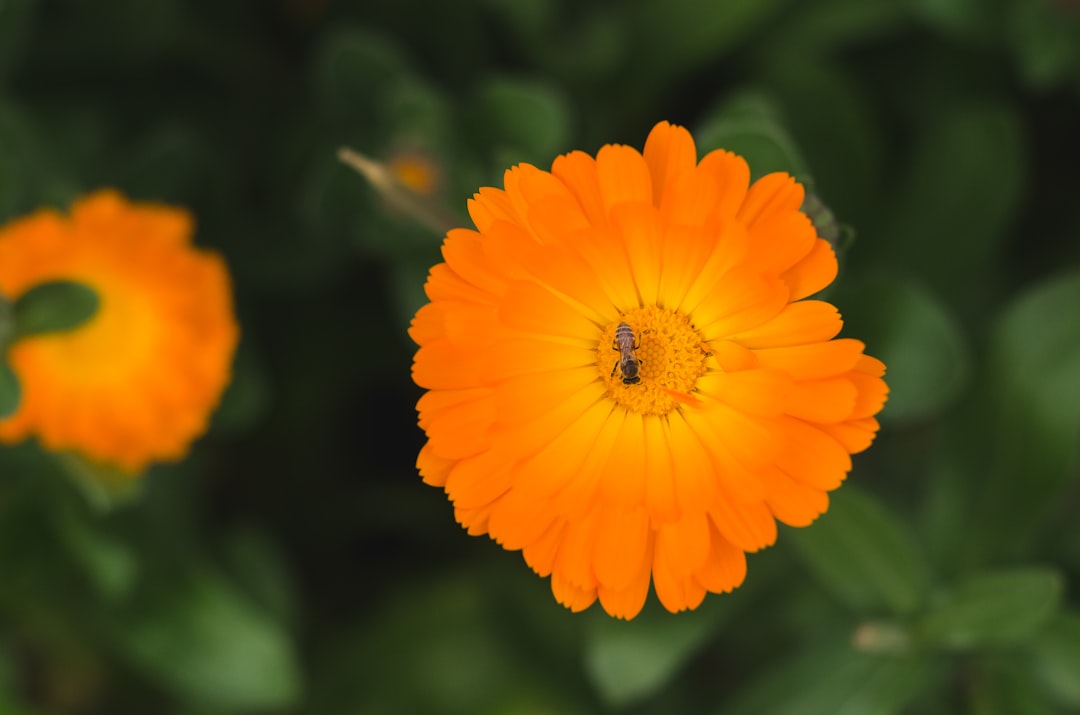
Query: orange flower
138,381
746,409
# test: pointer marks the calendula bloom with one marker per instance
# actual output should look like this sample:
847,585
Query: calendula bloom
137,382
745,408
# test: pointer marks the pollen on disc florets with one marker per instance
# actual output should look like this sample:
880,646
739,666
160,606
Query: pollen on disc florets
671,357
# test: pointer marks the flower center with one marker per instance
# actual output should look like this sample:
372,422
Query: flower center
651,359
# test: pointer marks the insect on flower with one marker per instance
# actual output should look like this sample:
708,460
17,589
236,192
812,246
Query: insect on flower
626,345
692,279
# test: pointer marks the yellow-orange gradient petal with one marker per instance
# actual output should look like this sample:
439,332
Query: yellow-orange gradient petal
624,381
137,382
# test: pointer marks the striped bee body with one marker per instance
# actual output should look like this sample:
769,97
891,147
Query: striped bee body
626,345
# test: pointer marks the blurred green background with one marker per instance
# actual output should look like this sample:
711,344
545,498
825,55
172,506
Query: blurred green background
295,563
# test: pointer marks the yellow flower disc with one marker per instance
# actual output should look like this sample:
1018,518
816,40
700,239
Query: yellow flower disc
139,380
672,356
744,407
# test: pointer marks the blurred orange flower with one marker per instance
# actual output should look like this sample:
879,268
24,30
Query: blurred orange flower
138,381
664,449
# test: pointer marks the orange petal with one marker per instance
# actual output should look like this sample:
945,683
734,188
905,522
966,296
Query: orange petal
433,469
780,241
510,358
814,361
754,441
444,284
522,399
853,435
457,421
428,324
624,176
674,593
477,481
748,525
565,272
808,321
684,545
518,520
639,229
540,553
576,598
620,546
490,205
739,303
791,501
578,171
732,175
829,400
725,568
464,253
773,193
669,152
574,561
760,392
602,251
814,272
534,310
627,602
474,520
724,255
686,245
623,471
695,479
574,424
556,458
660,473
872,389
813,457
596,471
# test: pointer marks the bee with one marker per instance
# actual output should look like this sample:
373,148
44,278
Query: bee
628,363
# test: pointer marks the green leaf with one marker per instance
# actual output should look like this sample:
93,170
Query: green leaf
16,30
10,392
629,661
109,563
1002,686
1053,656
7,322
55,306
956,201
1046,45
1033,386
705,31
104,486
748,125
836,680
523,121
9,707
968,19
465,644
833,122
992,608
260,569
248,395
420,117
355,70
862,554
212,646
921,343
829,25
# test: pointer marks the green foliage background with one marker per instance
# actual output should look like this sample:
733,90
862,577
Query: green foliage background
294,563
